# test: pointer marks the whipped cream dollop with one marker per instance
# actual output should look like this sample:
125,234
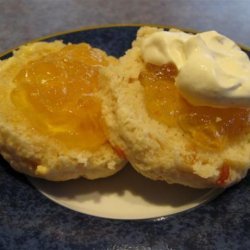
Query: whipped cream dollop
213,70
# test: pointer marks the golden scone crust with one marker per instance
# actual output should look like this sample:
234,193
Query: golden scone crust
154,150
38,155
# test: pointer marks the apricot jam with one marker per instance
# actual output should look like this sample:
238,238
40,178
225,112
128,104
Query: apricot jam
58,93
206,127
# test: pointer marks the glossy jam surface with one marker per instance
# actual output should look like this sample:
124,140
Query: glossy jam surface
209,128
58,95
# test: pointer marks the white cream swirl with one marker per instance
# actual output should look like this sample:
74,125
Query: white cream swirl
213,70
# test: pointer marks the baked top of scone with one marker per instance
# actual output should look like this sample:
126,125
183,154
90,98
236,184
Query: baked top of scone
163,135
50,112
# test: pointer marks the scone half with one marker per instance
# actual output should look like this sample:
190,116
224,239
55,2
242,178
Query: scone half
156,150
29,141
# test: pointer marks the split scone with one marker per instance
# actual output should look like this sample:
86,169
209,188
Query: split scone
161,133
50,112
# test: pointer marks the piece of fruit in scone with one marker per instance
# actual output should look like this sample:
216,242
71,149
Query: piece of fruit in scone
50,112
153,116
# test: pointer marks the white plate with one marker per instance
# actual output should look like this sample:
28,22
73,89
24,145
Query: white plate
126,195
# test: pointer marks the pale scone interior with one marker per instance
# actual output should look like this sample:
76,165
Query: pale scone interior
161,150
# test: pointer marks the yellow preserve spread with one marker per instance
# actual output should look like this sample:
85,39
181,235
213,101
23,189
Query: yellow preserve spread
58,93
207,127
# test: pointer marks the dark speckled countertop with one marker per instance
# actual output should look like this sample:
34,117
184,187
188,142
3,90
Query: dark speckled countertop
221,224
